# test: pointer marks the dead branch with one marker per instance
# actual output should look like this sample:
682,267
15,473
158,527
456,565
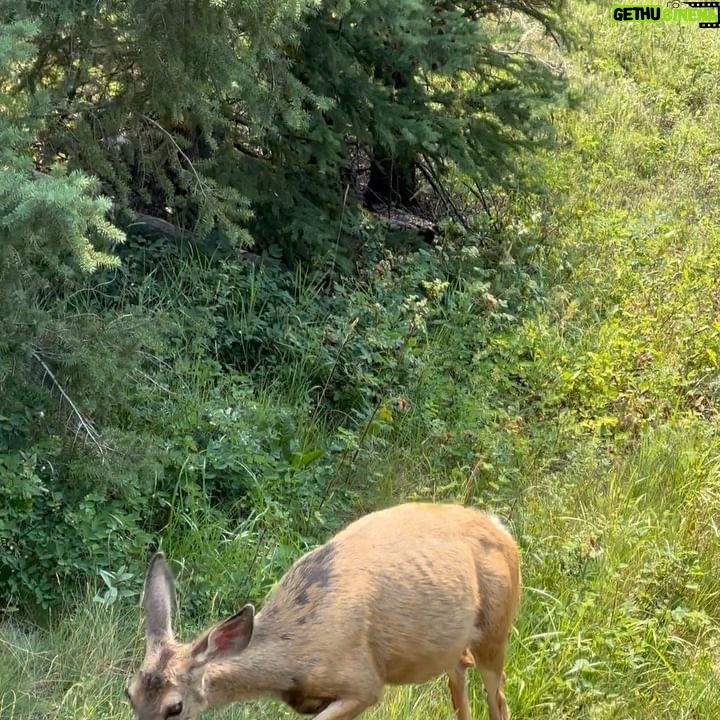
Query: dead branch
84,425
179,150
430,176
158,225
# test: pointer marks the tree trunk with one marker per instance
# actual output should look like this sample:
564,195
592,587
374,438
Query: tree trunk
392,180
392,176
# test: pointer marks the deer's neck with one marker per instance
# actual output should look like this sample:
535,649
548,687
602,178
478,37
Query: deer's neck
266,668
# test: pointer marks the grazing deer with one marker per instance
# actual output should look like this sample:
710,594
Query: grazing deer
400,596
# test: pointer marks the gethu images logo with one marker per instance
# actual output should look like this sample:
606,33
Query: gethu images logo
706,14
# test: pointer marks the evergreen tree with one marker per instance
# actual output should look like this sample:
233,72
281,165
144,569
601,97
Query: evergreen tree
415,86
223,116
51,222
145,94
428,81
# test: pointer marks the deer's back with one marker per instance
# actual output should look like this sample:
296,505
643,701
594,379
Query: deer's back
414,585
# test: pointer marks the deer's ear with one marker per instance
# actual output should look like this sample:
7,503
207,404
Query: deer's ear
229,637
158,598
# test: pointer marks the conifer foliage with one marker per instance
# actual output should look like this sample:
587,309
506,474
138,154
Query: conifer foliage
252,120
50,221
428,83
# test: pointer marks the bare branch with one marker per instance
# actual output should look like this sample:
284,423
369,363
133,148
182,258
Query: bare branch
180,151
158,225
248,151
555,69
84,425
427,170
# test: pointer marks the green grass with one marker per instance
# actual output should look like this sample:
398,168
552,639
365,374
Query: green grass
71,670
619,618
605,456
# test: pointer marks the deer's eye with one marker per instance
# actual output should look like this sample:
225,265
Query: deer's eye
173,710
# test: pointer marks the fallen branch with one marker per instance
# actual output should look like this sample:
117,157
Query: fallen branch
158,225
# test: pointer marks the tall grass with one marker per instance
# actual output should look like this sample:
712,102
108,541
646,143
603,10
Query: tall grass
619,618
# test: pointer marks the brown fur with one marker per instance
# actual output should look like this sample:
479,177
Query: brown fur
400,596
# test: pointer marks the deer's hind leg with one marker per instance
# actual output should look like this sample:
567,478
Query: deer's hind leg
490,660
457,680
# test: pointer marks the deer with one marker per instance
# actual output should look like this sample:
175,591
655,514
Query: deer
400,596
